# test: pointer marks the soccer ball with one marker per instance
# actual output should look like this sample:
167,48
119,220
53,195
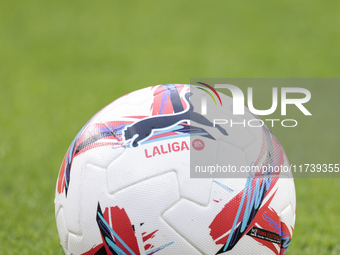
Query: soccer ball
124,186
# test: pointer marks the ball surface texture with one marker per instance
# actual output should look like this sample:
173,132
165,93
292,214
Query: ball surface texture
124,186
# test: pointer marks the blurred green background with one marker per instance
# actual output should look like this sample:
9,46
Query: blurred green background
62,61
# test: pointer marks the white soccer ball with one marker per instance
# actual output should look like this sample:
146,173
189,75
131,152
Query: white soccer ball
124,186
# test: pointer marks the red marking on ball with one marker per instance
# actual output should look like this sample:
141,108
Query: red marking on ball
198,144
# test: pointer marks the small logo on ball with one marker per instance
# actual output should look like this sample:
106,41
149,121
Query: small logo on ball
198,144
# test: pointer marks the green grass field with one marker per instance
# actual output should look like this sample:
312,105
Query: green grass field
62,61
